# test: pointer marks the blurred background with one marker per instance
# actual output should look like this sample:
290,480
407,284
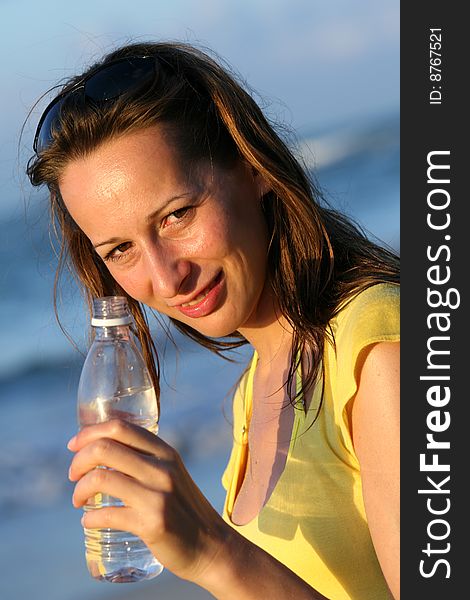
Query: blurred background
327,70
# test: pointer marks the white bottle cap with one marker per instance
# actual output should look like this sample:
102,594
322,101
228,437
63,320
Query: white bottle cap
126,320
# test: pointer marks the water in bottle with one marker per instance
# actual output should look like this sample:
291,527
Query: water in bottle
115,384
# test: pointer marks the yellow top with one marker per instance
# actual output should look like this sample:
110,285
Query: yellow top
314,522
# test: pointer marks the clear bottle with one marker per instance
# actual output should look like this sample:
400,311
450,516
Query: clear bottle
115,384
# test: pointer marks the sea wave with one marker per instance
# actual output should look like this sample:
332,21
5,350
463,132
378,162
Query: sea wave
334,146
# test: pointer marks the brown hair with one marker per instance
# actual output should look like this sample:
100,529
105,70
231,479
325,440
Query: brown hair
317,260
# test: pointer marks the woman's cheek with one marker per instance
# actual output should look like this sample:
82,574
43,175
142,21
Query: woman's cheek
214,241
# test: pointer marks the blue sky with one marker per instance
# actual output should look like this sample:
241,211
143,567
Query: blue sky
313,62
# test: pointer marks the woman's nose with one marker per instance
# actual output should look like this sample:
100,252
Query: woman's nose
167,270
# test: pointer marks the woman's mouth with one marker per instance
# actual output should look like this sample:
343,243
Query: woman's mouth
206,301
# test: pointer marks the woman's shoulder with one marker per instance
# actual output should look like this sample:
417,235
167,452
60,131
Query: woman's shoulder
383,297
372,315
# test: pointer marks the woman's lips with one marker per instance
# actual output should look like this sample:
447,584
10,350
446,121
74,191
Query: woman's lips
206,301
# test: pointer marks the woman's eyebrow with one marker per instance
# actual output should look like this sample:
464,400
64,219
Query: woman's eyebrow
110,241
149,218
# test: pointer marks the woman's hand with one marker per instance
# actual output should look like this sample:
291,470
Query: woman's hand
163,505
165,508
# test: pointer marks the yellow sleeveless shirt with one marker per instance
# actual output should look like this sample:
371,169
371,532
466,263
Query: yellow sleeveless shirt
314,522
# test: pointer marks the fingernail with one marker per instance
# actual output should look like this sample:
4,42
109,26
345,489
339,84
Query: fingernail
71,442
82,520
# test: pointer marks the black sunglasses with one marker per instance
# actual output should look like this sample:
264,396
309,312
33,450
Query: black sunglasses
108,82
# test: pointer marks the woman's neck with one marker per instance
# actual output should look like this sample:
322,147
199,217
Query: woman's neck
269,332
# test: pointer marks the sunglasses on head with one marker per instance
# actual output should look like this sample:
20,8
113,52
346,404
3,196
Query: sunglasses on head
108,82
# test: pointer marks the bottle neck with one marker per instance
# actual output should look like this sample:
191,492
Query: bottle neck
120,332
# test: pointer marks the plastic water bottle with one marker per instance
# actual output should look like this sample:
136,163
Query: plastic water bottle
115,384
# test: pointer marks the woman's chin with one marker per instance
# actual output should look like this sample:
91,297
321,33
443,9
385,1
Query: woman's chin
214,326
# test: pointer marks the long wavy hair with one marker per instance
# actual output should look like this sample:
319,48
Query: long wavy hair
318,259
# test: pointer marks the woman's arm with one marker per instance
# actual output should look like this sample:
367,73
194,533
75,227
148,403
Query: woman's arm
243,570
375,420
164,507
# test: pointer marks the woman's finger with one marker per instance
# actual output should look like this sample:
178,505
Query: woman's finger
122,431
122,518
146,468
116,484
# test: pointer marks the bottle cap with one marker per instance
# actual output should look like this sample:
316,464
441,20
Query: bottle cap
111,322
111,311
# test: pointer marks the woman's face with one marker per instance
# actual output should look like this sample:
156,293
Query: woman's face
190,242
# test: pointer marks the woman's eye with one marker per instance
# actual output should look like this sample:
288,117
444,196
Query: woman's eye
118,252
176,216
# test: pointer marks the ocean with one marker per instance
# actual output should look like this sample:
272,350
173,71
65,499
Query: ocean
42,551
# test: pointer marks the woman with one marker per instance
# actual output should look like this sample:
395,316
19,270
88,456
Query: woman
169,186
